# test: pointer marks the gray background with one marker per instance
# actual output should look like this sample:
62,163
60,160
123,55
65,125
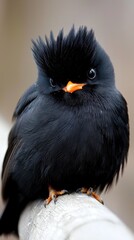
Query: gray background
113,23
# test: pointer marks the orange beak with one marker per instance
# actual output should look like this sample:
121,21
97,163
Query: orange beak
71,87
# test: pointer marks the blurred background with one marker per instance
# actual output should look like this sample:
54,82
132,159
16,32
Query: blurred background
113,23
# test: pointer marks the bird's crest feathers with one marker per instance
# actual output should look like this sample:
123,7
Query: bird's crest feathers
67,56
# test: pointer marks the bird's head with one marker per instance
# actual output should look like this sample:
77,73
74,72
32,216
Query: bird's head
72,63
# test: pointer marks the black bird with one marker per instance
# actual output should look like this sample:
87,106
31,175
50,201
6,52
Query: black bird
71,127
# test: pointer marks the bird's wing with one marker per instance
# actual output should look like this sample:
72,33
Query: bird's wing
14,142
25,100
9,156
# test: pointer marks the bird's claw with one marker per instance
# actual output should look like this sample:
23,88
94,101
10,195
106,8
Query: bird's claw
78,190
55,198
90,192
53,195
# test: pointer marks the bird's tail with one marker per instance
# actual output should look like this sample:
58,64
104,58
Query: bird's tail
11,214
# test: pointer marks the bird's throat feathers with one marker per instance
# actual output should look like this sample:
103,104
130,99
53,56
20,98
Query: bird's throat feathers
66,57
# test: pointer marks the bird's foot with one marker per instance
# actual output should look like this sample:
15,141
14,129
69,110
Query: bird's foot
53,194
90,192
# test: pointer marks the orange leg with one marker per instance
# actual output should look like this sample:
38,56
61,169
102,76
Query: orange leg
53,194
90,192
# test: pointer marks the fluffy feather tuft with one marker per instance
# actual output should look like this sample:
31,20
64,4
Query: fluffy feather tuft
66,57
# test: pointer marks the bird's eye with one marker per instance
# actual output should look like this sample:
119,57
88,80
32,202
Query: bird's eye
91,74
52,83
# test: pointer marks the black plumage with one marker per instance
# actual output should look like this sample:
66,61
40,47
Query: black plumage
65,139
